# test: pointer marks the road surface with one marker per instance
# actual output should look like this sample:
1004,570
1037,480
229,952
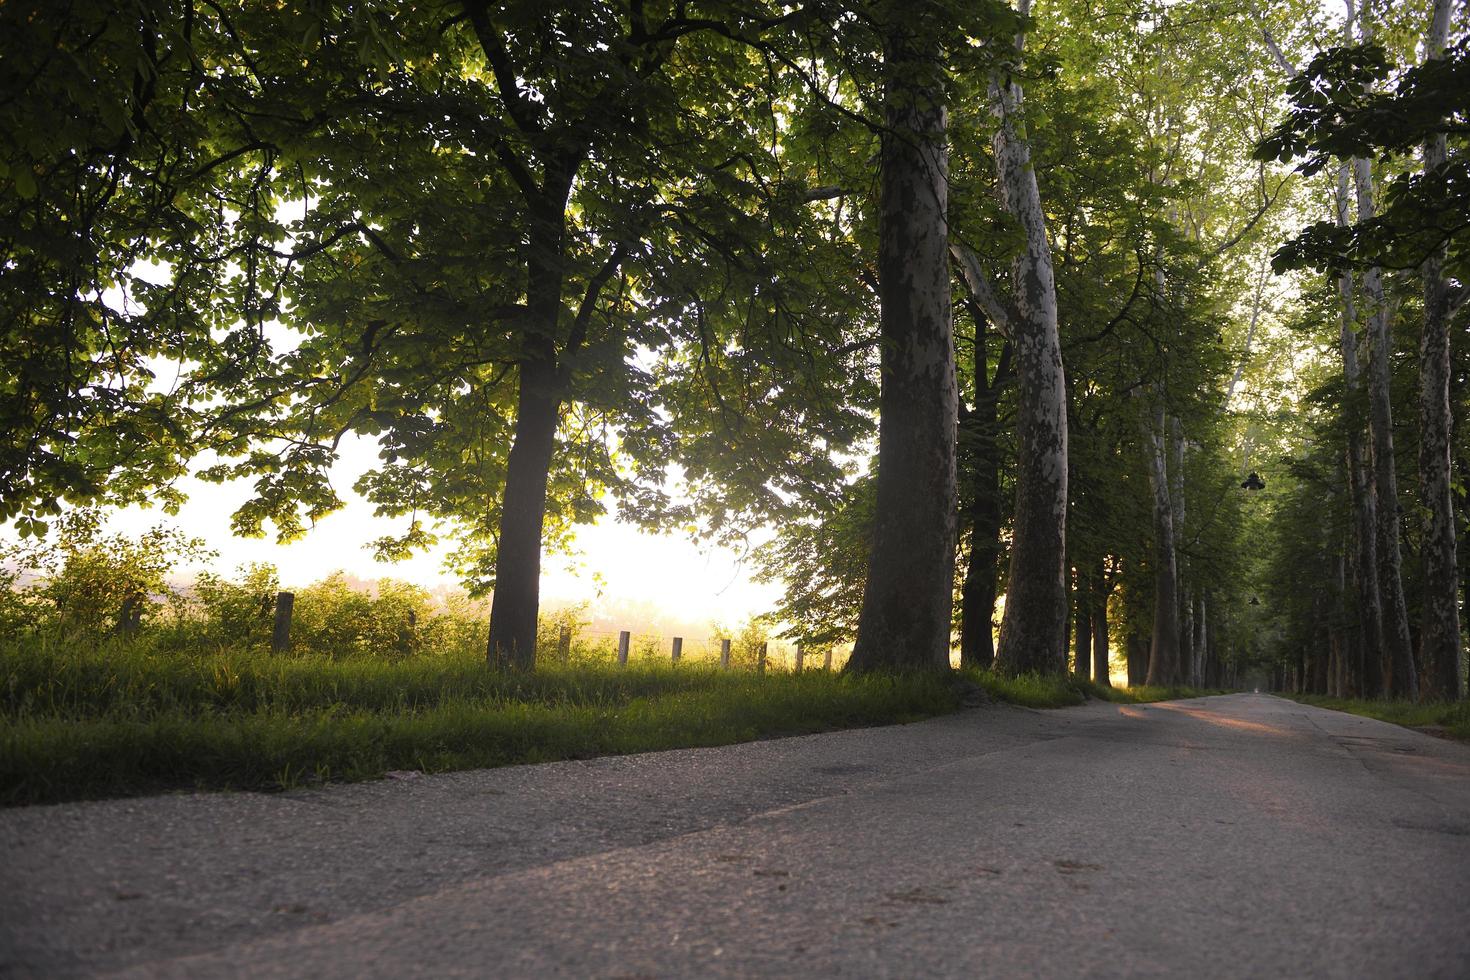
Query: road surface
1224,837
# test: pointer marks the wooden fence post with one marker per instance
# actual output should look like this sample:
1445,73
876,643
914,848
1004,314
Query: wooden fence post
800,657
623,638
130,616
678,648
725,653
760,659
564,645
281,630
827,660
406,633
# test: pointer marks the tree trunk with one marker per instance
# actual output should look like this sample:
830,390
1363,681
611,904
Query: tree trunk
1439,636
907,600
516,603
1082,624
977,594
1397,646
1033,629
1100,657
1364,504
1347,652
1175,436
1136,649
1201,642
1163,659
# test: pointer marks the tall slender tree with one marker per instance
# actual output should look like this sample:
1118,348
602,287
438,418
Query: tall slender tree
1398,648
1439,636
1033,630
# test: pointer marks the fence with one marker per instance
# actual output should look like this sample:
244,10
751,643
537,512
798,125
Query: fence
620,646
623,646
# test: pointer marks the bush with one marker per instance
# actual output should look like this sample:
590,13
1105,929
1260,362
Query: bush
238,612
92,584
334,619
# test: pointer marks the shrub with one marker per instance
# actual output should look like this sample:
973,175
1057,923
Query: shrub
92,583
238,612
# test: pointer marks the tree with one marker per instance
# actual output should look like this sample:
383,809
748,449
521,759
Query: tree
905,618
110,138
1033,631
1337,111
472,226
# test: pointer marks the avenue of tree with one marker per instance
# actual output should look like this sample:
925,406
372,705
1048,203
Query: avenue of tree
1115,320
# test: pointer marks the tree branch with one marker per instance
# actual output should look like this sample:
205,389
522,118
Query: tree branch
516,103
1000,312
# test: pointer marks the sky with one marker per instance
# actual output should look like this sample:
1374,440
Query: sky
616,565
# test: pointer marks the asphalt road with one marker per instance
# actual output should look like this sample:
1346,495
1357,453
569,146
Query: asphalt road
1232,837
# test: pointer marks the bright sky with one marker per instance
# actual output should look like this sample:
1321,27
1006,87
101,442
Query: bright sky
693,583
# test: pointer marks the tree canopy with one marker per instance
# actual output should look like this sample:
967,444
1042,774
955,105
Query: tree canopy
984,312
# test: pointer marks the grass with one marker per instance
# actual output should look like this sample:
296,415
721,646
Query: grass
1454,719
1059,690
80,721
118,719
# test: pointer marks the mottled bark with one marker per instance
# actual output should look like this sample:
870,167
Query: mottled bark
1201,636
1349,661
1364,500
1163,658
1176,443
1397,645
1439,635
907,601
1033,631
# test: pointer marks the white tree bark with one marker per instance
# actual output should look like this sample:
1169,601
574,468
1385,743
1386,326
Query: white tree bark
1033,631
1397,645
1250,333
1369,671
1439,649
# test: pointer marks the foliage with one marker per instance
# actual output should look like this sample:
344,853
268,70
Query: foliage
92,583
822,560
1338,112
237,611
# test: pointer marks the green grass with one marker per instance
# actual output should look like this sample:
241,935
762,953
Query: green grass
1454,719
82,722
1059,690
